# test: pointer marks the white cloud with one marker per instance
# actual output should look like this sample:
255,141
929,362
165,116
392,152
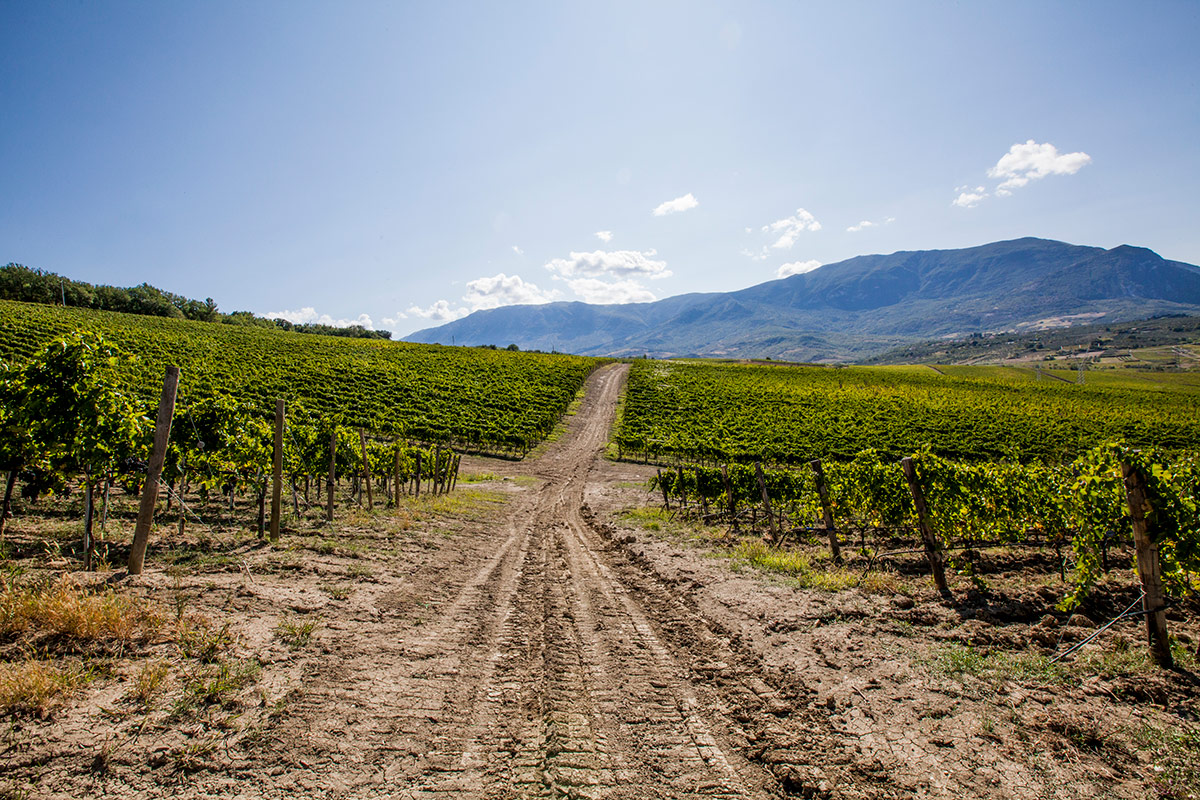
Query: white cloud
866,223
308,316
592,290
482,293
616,263
969,198
1032,161
504,290
676,205
889,220
604,236
791,227
518,250
1023,163
762,255
441,311
797,268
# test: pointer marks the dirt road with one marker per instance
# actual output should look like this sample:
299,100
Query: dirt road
548,666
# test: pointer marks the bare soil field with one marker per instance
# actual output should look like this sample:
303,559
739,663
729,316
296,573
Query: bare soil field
547,630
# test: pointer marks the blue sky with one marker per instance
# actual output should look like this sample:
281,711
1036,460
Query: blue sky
403,163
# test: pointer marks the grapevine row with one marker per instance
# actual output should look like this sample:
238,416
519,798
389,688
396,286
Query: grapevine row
976,504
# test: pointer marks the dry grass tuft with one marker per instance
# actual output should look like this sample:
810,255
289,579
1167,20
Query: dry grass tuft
149,682
65,608
36,688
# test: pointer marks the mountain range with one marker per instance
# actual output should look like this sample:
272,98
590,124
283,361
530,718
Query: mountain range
857,308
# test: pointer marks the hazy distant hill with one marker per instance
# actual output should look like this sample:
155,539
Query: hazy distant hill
859,307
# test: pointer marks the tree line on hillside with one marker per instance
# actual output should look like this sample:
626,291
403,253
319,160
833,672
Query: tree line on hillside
31,285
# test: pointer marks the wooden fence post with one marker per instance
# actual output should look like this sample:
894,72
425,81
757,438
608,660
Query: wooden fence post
331,478
417,488
663,486
1148,567
362,438
762,487
933,549
277,469
162,434
823,492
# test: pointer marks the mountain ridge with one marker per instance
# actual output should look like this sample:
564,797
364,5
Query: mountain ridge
852,309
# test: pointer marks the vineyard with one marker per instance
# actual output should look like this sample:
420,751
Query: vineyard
495,401
383,601
716,413
998,459
75,414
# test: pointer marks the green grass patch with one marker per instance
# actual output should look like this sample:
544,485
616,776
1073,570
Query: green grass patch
477,477
958,661
215,684
810,570
1121,659
337,591
649,518
295,634
1174,753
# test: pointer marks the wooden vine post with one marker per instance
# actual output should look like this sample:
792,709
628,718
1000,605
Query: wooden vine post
1148,567
396,480
933,549
162,435
437,470
826,511
729,495
663,486
277,469
89,544
762,487
417,489
331,477
362,438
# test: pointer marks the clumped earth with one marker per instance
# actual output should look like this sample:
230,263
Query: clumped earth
548,630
